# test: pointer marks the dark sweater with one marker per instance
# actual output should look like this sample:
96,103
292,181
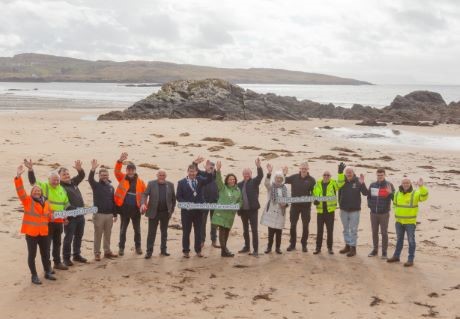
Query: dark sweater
350,195
102,195
301,186
73,192
379,198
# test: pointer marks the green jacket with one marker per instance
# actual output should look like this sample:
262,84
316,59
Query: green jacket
227,195
331,190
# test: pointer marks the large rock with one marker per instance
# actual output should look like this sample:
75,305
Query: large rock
219,99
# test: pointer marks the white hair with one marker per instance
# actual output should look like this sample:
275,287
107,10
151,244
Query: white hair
54,173
277,174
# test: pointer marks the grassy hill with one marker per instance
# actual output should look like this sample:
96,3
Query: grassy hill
42,67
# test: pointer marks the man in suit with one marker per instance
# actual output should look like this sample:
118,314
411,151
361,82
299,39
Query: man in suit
190,189
249,212
158,203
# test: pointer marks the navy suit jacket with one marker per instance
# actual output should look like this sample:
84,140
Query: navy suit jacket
185,193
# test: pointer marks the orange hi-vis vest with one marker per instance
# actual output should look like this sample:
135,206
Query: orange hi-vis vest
123,187
36,217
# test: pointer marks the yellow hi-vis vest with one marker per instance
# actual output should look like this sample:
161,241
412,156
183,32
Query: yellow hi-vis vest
406,205
331,190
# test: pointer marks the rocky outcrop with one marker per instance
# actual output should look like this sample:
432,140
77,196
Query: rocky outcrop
220,100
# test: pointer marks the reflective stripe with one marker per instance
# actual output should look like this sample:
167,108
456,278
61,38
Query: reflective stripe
405,206
57,203
118,195
35,223
33,213
20,188
132,193
411,205
121,187
23,197
406,217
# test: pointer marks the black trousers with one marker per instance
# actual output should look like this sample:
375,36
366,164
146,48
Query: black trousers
304,213
271,234
250,217
161,218
73,231
213,232
191,218
54,236
43,243
126,217
328,220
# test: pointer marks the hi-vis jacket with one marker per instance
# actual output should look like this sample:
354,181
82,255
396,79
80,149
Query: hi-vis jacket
331,190
123,187
36,216
406,204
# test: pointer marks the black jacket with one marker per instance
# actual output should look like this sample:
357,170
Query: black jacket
379,198
350,195
252,189
301,186
102,195
73,192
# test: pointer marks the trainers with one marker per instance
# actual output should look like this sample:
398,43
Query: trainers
80,259
49,276
373,253
291,248
60,266
244,250
408,263
36,280
345,250
393,260
68,262
121,252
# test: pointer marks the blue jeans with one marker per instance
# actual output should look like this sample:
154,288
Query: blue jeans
350,222
401,229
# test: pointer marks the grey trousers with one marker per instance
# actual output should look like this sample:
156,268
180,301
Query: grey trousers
380,220
102,226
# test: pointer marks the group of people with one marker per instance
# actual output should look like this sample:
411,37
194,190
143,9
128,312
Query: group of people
157,200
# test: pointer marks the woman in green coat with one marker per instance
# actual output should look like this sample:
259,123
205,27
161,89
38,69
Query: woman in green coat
229,194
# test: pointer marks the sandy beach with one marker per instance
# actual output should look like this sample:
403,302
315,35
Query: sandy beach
292,285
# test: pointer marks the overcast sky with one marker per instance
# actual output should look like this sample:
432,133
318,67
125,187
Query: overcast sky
401,41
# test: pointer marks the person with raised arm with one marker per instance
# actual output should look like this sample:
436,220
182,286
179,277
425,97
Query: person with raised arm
350,190
59,201
158,203
37,214
103,199
190,190
274,215
127,198
249,211
229,194
74,230
405,204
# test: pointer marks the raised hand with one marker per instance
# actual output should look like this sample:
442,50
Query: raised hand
123,157
20,170
94,165
285,170
218,165
199,160
78,165
361,178
29,164
258,162
420,182
341,167
207,165
269,168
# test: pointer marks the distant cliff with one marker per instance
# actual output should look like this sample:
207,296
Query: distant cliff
221,100
41,67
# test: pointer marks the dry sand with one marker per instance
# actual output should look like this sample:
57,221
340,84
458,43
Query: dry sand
293,285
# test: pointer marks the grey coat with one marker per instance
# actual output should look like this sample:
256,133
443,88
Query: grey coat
151,193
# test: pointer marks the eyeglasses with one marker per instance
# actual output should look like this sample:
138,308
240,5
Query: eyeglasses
326,174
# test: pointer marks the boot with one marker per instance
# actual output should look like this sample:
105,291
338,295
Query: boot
36,280
373,253
49,276
68,262
148,255
244,250
60,266
139,250
268,250
345,250
80,259
393,259
408,263
227,234
165,253
317,251
121,252
290,248
352,251
304,249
